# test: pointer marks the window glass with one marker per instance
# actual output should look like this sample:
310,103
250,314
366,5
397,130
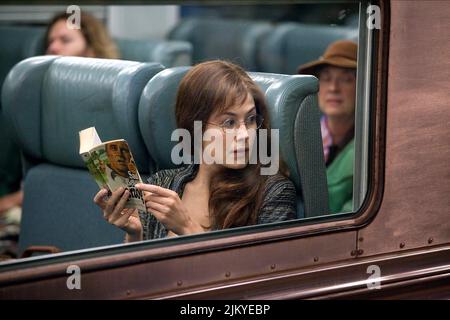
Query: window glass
327,40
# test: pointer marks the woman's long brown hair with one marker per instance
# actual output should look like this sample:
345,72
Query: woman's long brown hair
210,87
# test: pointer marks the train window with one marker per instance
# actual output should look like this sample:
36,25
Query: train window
330,40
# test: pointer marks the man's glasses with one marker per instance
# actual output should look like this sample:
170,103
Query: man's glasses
326,79
254,121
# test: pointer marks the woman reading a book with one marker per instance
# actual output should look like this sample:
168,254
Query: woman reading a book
227,193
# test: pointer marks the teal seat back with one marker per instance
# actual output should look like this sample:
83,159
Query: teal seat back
168,53
48,100
292,103
291,44
233,40
16,44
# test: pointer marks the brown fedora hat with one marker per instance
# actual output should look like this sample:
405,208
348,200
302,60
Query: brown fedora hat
342,53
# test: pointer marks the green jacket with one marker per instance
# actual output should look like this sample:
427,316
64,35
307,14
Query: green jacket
340,180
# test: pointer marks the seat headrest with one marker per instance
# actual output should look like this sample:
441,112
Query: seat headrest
18,43
72,94
168,53
157,109
21,99
291,44
157,115
239,39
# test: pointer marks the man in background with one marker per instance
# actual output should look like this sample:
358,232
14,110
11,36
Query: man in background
336,71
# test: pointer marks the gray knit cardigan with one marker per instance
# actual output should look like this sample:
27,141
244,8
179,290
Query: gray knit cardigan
279,202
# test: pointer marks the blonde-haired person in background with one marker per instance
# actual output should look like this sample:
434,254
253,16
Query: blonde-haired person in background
91,40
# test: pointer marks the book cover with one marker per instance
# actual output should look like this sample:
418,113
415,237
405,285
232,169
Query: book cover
112,165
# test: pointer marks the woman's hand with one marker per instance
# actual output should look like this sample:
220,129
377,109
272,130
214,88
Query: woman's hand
114,212
167,207
11,200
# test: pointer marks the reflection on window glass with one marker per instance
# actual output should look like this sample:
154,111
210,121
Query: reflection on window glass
229,163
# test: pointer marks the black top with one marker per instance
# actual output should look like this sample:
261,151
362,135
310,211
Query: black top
279,202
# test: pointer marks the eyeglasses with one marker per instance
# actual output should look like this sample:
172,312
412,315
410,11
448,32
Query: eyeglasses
254,121
326,79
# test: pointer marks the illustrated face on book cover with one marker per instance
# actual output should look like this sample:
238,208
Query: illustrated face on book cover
119,157
132,167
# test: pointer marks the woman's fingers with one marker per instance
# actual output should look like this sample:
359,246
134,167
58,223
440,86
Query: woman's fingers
155,189
99,198
115,196
127,210
122,221
153,206
117,212
152,197
166,206
160,216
